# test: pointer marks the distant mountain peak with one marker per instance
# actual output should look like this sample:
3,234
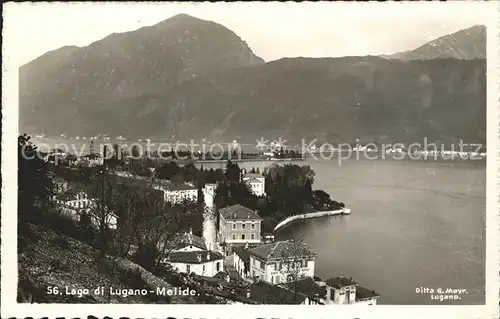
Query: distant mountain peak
466,44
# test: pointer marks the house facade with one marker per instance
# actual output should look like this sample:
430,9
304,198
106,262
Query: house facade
281,261
256,183
200,262
178,192
189,242
239,225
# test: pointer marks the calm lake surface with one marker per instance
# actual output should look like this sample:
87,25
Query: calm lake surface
413,224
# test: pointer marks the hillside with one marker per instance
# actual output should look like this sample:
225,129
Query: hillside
465,44
48,258
203,81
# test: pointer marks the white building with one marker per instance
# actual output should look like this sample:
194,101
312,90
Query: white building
178,192
189,242
74,202
239,225
201,262
281,261
256,182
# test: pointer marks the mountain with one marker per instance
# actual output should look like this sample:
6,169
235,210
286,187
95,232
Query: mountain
225,92
67,81
465,44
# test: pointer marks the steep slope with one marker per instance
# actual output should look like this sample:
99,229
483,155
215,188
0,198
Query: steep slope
465,44
126,65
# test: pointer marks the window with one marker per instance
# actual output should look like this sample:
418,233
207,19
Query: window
204,267
262,265
234,237
234,225
188,269
252,236
243,226
217,266
253,226
243,236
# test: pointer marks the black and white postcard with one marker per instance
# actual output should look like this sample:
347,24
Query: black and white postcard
231,160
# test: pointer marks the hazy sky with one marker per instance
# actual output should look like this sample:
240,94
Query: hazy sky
272,30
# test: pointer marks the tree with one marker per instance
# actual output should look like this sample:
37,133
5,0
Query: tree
321,199
168,170
293,259
136,153
233,172
35,186
178,179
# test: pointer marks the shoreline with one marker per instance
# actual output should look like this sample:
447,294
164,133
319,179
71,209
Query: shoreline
251,160
288,220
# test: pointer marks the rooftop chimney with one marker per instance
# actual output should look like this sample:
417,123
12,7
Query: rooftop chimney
228,278
190,231
199,257
208,255
248,294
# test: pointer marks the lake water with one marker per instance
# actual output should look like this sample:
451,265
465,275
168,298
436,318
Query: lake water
413,224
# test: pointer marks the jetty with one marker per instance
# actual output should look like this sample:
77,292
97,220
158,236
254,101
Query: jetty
286,221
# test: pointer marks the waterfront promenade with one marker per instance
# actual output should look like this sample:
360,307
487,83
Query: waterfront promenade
286,221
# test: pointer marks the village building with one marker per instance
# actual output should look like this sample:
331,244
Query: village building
75,202
202,262
178,192
189,242
256,183
239,225
343,290
281,261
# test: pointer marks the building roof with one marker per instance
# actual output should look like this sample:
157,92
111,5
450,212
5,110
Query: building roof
339,282
177,187
265,293
188,239
281,249
194,257
70,194
306,286
253,180
242,253
364,293
239,212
